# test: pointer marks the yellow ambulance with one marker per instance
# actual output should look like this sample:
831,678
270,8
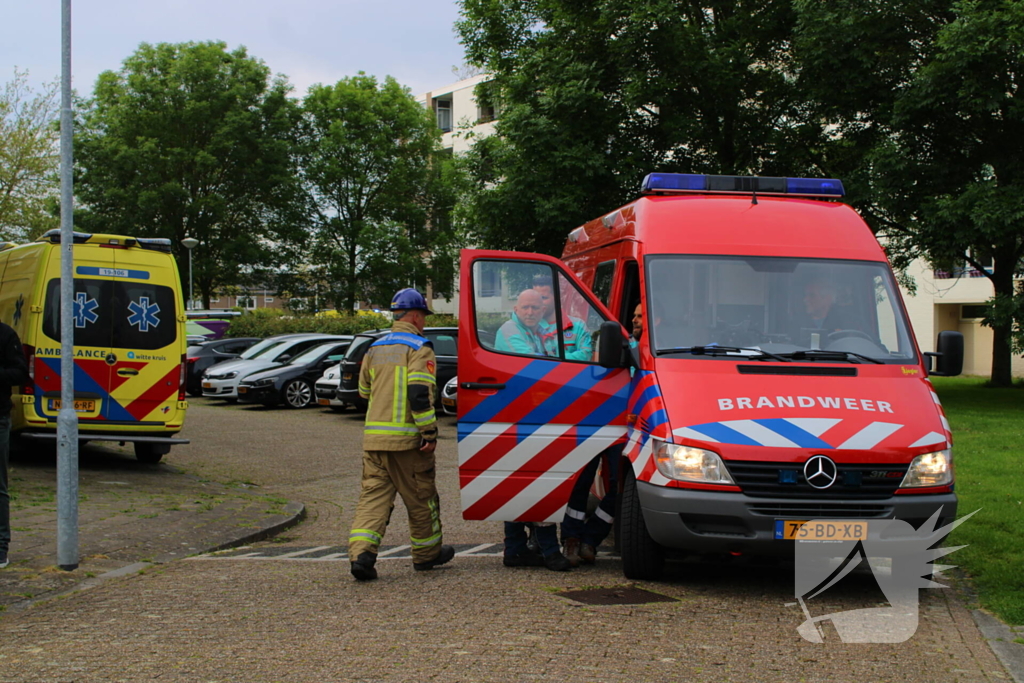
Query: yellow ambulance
129,349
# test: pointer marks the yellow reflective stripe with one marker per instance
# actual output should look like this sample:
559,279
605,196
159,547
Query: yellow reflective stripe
425,417
421,542
398,407
422,377
365,534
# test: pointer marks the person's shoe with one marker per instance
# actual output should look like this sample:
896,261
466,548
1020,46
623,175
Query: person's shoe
588,553
557,562
571,550
3,559
526,558
532,543
446,554
362,567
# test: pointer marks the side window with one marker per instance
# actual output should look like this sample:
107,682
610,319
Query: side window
543,315
444,344
603,281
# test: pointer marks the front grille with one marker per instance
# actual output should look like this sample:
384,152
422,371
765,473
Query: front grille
822,510
855,480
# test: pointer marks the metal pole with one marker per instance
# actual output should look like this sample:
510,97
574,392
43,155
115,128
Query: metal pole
67,418
191,294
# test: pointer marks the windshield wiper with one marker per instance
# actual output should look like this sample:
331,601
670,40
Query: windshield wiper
818,354
716,350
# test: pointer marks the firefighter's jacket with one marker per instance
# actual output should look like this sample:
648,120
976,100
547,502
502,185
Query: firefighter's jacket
398,378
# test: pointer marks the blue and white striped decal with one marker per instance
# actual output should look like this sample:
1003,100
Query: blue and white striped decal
803,432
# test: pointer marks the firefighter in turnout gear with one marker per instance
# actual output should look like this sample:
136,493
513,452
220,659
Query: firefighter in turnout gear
399,438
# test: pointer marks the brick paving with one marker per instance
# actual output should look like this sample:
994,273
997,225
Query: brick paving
474,620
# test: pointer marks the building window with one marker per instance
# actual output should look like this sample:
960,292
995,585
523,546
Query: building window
247,302
485,114
973,311
444,114
268,299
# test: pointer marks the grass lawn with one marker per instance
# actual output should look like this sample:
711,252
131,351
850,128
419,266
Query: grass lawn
988,454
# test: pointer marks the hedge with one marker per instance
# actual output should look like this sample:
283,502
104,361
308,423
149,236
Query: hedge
268,322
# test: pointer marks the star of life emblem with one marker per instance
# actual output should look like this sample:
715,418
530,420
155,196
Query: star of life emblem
144,314
84,310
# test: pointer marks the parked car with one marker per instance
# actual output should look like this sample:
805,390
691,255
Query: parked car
326,388
450,397
205,354
221,381
446,348
291,383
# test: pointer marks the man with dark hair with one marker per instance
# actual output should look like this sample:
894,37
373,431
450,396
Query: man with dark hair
13,372
399,439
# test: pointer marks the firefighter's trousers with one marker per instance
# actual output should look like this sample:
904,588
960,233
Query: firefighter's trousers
411,475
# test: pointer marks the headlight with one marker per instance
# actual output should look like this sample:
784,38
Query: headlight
685,463
930,469
265,382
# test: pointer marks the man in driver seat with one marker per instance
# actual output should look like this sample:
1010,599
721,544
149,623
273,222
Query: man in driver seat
821,311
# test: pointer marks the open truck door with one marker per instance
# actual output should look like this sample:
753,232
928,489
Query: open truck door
534,405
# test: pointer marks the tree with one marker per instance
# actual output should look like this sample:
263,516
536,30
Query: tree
933,86
593,96
29,158
192,140
370,168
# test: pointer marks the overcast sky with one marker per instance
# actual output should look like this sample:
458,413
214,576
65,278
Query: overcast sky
310,41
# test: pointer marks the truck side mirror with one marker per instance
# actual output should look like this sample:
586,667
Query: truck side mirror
948,355
611,343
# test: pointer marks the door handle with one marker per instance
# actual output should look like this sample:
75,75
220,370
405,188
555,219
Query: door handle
127,372
481,385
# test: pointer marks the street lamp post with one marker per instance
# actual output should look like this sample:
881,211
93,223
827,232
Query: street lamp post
189,243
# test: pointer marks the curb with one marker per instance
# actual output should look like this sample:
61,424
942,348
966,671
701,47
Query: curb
1000,638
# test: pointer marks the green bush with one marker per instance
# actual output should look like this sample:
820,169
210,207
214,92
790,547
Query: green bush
268,322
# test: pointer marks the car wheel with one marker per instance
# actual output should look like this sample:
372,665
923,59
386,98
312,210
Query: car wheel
150,453
642,558
297,393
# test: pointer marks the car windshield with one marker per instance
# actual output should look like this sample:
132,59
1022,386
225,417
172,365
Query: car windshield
795,309
259,348
312,355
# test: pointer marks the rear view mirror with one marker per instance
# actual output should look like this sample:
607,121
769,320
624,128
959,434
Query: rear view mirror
611,345
948,355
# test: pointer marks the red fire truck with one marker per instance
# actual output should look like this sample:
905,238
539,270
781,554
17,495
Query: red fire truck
776,378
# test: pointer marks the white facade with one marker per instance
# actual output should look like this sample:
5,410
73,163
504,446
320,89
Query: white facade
462,121
950,301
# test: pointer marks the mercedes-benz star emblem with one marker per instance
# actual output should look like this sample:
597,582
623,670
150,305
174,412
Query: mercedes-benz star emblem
820,472
110,359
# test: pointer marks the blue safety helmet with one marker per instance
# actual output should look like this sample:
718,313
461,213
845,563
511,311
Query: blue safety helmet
409,299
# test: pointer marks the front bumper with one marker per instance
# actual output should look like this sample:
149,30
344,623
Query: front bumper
327,391
248,394
220,388
716,522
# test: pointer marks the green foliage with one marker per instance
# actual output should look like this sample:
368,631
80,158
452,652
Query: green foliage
29,159
929,125
371,175
267,322
192,140
593,96
988,439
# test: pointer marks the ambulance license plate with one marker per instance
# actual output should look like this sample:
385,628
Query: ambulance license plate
82,406
324,401
802,530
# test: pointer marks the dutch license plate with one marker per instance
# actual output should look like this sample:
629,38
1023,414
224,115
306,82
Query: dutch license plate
839,530
447,401
324,401
207,385
83,406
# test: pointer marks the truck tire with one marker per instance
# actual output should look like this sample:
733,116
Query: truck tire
642,558
150,453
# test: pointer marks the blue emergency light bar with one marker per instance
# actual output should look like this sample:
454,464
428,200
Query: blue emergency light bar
666,183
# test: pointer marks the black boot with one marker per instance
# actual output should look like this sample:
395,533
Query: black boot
446,554
362,567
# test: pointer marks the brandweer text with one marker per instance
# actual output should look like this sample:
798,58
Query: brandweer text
830,402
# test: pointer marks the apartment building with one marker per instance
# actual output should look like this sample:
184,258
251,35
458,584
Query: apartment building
954,300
